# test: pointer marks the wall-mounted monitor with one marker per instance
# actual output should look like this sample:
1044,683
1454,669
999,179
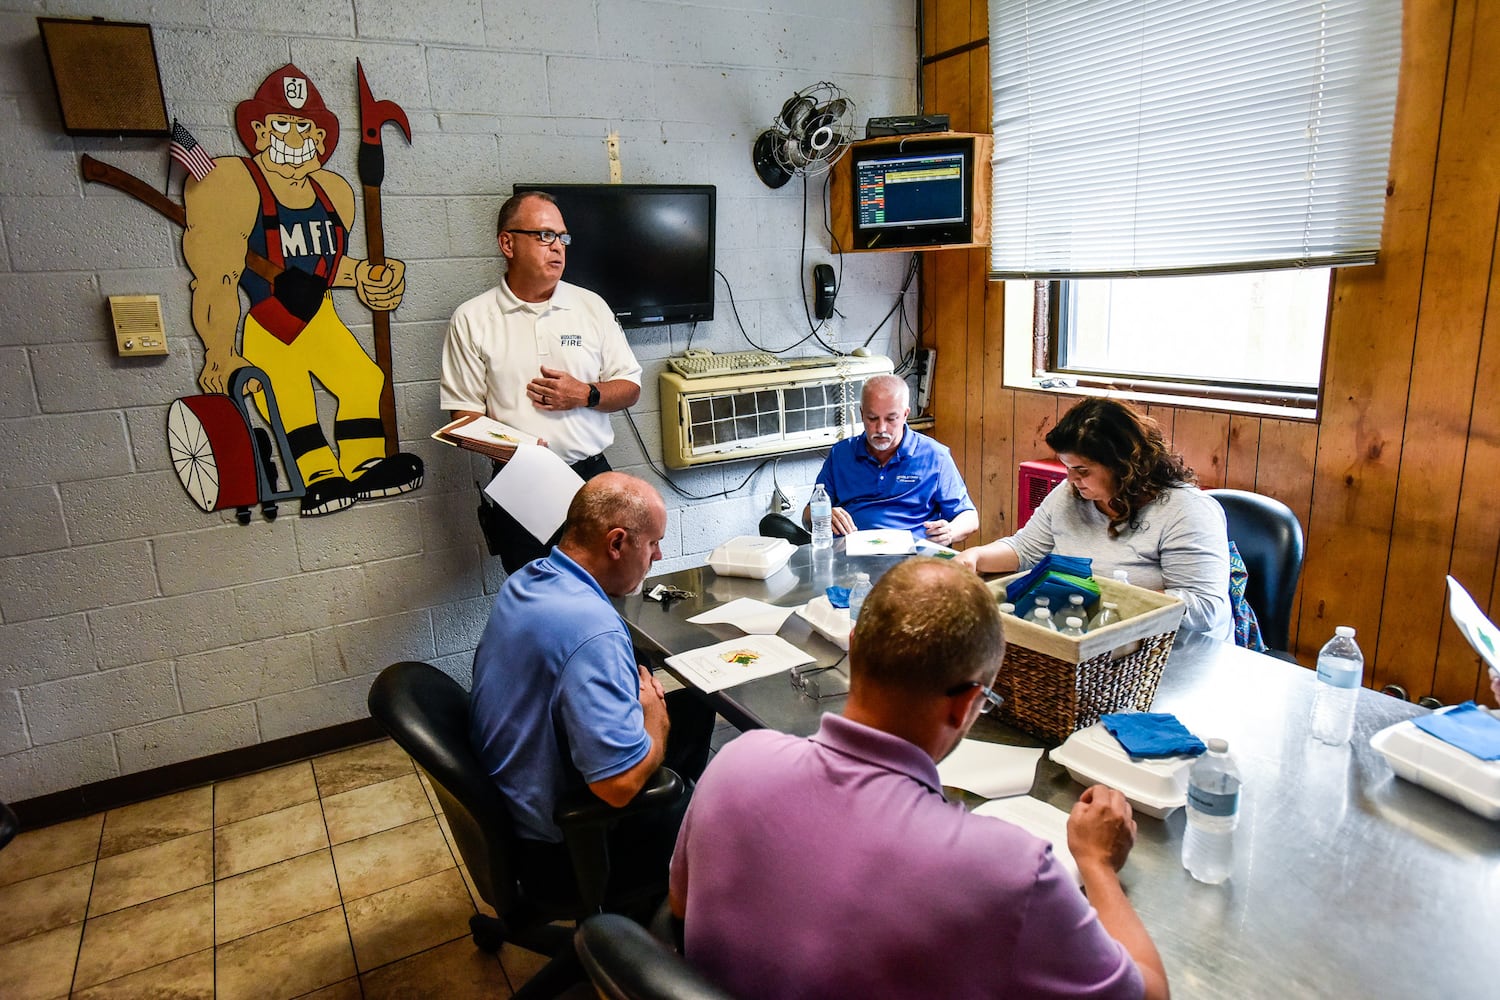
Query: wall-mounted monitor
647,249
917,192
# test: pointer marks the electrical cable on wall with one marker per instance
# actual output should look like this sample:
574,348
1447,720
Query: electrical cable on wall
630,419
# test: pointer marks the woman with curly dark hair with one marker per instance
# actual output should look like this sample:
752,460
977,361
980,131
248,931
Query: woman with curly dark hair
1129,503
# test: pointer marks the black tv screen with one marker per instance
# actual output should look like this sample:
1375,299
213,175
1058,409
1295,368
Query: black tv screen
915,193
647,249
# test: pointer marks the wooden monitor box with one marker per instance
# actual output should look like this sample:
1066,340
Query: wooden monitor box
976,148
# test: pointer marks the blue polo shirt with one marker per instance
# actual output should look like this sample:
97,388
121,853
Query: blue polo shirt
556,700
918,483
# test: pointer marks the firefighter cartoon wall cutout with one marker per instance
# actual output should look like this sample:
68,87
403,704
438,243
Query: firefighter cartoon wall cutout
273,227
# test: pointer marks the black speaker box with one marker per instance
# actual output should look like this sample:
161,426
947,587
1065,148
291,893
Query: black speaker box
905,125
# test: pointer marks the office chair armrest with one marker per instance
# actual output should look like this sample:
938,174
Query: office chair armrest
584,808
623,960
584,818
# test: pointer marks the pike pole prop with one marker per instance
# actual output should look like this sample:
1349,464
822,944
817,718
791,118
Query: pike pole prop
373,117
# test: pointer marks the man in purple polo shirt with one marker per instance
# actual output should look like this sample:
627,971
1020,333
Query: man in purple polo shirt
833,866
893,477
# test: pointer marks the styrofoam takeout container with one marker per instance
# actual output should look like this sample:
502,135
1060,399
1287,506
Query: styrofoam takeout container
828,621
1154,787
1422,758
752,556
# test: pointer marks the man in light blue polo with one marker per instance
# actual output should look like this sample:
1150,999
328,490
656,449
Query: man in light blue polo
892,477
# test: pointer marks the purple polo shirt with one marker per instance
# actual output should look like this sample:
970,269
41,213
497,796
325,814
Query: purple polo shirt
918,483
833,866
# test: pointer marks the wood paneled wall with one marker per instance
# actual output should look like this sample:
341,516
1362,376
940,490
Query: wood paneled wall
1398,482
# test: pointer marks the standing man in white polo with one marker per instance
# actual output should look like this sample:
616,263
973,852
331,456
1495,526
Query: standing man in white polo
542,355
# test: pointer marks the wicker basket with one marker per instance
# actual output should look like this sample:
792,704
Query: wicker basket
1054,684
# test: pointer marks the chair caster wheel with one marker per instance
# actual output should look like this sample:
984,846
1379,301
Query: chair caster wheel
489,933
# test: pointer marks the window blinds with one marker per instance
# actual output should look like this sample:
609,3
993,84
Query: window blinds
1149,137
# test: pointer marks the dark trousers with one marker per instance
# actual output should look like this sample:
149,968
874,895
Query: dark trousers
514,544
640,846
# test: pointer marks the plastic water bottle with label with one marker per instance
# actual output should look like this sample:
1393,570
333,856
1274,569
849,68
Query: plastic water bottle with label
857,595
1213,811
822,518
1341,668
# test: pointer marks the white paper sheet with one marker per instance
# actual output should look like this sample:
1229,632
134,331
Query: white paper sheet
746,614
1478,629
879,542
936,550
992,770
1040,820
535,487
725,664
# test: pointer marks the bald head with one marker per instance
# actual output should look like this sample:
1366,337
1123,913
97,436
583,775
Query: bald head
612,500
928,626
882,390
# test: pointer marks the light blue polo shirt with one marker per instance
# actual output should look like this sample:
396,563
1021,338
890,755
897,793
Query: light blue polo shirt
919,483
556,698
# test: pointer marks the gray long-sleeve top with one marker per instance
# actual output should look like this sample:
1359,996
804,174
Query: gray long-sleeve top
1181,547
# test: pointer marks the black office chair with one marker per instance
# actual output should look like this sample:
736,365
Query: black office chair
427,713
625,962
9,825
1269,538
775,525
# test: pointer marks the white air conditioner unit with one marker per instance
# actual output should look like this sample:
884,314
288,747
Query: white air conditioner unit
810,403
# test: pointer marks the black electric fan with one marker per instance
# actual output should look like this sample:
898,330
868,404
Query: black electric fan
812,131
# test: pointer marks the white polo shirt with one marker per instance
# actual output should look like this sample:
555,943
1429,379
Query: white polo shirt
497,344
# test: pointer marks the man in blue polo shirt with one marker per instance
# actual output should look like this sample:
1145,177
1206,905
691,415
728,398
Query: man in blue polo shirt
559,701
892,477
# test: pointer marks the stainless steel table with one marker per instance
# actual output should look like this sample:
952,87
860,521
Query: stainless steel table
1348,881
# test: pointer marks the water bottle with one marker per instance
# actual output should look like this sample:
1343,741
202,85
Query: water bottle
822,518
857,595
1043,617
1341,668
1073,627
1075,608
1121,575
1213,811
1041,604
1108,614
1007,608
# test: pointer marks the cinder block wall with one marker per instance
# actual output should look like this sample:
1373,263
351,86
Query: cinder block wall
137,631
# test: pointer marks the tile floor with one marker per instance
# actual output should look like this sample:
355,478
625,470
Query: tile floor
330,878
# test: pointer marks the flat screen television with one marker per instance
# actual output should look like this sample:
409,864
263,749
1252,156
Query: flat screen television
913,193
647,249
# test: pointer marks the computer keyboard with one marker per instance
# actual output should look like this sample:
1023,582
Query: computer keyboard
699,364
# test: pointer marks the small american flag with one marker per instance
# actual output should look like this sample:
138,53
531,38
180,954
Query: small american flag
186,151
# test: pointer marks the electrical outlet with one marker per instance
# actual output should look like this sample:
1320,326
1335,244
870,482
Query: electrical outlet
926,367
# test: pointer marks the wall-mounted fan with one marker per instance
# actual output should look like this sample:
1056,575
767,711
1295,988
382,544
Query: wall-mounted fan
808,136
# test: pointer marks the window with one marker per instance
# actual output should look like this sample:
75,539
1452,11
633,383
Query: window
1254,335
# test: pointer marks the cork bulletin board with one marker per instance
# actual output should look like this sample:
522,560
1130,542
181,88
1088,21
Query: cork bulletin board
106,76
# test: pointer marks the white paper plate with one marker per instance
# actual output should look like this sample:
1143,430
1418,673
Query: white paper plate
1154,787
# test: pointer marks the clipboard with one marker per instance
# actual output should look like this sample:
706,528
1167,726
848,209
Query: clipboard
488,437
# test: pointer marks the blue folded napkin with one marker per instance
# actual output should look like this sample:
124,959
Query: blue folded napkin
838,596
1468,727
1152,734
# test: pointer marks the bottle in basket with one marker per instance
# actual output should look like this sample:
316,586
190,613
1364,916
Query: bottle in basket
1073,627
1341,668
1043,617
822,518
1108,614
1075,609
1041,604
1213,811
